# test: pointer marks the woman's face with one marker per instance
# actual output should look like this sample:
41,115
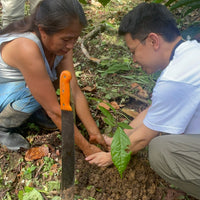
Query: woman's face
63,41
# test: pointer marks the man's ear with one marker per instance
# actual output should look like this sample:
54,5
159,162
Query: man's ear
154,40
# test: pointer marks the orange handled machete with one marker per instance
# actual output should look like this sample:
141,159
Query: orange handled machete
68,155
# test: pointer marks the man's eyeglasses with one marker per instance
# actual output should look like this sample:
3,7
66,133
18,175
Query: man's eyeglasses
133,52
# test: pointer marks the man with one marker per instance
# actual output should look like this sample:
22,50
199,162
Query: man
154,40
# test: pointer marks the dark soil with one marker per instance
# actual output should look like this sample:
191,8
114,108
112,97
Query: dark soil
139,181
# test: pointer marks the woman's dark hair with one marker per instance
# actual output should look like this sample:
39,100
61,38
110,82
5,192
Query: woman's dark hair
51,15
147,18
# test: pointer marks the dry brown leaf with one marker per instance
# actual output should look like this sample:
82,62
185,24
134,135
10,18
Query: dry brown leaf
143,94
135,85
115,105
130,112
103,105
36,153
88,89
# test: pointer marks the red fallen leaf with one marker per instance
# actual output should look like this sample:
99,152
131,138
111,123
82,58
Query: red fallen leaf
130,112
36,153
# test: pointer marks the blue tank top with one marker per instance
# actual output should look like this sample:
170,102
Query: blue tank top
11,74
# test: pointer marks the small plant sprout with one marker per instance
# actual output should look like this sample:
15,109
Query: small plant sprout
120,143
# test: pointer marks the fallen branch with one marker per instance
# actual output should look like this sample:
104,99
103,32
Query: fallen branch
90,35
136,97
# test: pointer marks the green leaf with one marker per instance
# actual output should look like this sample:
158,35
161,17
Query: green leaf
104,2
83,1
58,91
20,195
168,3
119,146
33,195
109,122
124,125
107,114
158,1
116,67
56,198
192,8
53,185
181,3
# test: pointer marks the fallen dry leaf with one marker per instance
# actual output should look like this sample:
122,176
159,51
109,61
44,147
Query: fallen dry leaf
135,85
141,92
115,105
103,105
130,112
88,89
36,153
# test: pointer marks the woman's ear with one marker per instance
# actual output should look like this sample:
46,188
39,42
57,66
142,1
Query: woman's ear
42,32
154,40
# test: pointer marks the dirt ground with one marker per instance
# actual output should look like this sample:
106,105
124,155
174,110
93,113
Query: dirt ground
139,181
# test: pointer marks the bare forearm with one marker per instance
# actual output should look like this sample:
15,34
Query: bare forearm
136,122
141,137
83,112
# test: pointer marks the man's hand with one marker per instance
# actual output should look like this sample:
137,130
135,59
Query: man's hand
101,159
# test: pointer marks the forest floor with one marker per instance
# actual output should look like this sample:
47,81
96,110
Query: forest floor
108,75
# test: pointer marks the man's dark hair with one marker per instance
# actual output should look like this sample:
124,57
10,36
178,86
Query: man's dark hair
147,18
51,15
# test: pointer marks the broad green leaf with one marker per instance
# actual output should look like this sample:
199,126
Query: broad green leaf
107,114
109,122
53,185
33,195
83,1
119,147
28,189
116,67
20,195
104,2
192,8
182,3
124,125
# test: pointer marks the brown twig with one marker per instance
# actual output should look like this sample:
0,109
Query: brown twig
136,97
38,171
90,35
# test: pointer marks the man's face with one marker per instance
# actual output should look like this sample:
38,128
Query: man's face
144,53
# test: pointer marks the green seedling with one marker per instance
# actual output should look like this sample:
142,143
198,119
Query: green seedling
120,143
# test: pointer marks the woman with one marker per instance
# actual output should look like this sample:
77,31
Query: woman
34,51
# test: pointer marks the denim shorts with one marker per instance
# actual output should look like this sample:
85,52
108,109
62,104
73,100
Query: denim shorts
19,95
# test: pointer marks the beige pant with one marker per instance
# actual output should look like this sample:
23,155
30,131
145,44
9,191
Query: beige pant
176,158
13,10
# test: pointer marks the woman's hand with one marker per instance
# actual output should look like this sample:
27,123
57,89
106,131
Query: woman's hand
101,159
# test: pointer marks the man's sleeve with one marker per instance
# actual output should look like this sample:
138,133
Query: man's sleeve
173,105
